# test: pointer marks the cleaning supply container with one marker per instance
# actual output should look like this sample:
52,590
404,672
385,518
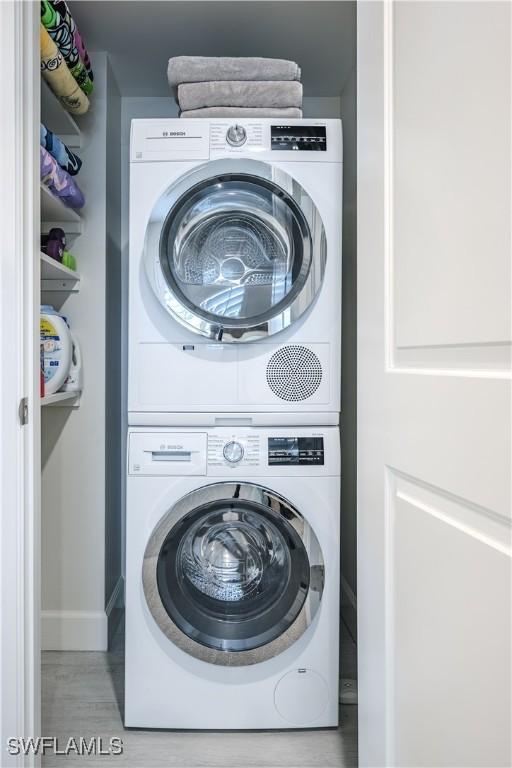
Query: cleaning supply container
74,380
58,349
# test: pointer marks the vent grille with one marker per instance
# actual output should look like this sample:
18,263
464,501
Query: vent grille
294,373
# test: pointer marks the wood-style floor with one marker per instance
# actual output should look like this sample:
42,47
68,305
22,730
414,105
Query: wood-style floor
82,695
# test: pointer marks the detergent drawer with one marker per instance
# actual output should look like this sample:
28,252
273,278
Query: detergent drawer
167,453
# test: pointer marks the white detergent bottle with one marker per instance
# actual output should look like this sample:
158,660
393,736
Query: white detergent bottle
57,349
74,381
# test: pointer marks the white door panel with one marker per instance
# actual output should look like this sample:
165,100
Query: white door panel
449,692
446,431
434,394
451,182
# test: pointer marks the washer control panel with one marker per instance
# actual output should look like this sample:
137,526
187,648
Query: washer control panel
235,451
302,451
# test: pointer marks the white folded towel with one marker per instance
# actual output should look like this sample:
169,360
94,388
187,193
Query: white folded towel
242,112
240,93
202,69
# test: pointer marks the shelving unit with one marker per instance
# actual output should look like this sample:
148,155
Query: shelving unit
62,398
55,214
58,281
57,277
55,117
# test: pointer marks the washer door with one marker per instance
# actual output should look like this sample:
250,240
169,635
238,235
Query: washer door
233,574
235,250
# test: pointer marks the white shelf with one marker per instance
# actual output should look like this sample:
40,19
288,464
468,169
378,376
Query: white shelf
61,398
57,277
55,214
58,119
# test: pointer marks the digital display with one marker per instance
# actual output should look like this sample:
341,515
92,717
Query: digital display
295,451
299,138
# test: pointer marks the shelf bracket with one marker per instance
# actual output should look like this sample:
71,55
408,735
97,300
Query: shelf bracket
69,227
68,286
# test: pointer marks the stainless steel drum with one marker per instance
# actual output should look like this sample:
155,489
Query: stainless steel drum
235,250
233,574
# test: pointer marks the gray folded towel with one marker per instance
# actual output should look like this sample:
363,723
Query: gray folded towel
242,112
202,69
240,93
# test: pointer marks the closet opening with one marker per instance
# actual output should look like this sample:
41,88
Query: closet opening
88,462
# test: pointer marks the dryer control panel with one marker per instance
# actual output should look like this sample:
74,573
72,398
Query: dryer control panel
298,138
229,137
267,139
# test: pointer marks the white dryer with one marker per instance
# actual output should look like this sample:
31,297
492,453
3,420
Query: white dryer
235,269
232,568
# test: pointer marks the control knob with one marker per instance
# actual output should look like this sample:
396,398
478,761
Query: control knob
236,135
233,452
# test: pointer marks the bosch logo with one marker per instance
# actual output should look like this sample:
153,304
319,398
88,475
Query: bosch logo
174,133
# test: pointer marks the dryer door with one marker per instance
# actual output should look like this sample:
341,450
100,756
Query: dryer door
233,574
235,250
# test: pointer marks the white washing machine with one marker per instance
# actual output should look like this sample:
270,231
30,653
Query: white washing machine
235,270
232,593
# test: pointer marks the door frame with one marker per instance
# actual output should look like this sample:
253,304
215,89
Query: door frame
20,551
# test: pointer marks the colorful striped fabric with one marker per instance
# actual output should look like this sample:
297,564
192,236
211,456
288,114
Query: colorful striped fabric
62,7
57,149
61,34
58,76
59,182
82,50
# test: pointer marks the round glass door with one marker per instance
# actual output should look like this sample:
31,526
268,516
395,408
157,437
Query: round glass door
233,574
236,250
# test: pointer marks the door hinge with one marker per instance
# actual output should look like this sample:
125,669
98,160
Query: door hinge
23,411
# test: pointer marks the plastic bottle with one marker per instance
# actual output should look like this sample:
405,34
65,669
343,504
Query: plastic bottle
56,338
69,260
74,381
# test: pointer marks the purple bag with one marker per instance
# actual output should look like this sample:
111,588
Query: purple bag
59,182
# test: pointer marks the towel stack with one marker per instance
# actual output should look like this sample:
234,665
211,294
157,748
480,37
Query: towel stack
235,87
57,165
65,63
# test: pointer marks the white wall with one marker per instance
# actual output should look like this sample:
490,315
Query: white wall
73,440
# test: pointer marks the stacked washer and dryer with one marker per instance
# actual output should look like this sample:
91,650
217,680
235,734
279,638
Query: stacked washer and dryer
233,483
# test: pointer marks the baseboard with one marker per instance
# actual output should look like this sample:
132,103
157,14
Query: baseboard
74,631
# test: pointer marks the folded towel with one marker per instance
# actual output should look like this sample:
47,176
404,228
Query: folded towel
82,50
242,112
58,76
240,93
59,182
62,154
62,8
60,32
202,69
